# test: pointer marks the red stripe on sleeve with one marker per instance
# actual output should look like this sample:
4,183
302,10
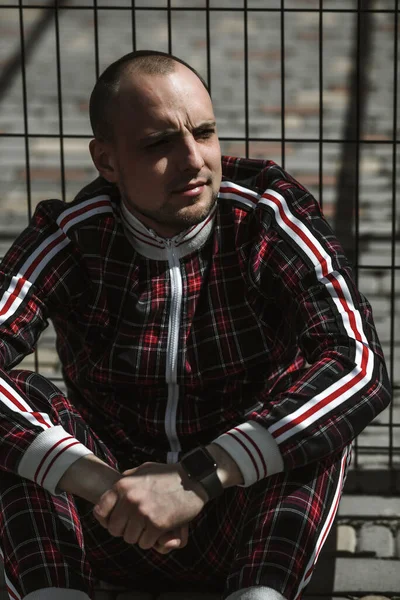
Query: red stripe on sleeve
69,437
20,407
248,438
249,453
55,458
300,233
328,399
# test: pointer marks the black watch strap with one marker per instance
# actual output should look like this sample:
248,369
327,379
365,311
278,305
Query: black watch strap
201,466
212,485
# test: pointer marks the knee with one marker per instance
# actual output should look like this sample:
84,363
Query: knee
43,394
34,383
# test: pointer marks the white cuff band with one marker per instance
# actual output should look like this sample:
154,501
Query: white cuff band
49,456
254,450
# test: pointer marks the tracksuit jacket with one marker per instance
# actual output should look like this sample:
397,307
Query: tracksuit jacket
245,330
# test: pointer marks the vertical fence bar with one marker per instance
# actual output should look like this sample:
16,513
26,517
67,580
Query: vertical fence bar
169,17
208,39
25,109
283,133
96,39
348,179
361,88
321,103
246,77
133,21
26,130
394,216
356,154
59,96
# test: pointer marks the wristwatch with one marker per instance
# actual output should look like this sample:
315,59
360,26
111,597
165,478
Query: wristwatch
199,465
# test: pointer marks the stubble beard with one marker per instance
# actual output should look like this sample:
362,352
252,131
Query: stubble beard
169,216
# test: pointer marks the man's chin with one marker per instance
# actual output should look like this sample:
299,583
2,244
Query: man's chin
195,213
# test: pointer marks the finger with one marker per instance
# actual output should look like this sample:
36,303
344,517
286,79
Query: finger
106,504
128,472
118,519
172,540
103,521
133,530
166,549
163,549
180,539
148,537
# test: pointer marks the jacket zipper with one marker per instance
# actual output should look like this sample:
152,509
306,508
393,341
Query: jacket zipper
171,369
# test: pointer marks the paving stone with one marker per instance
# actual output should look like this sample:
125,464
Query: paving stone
367,506
397,545
356,575
346,539
374,598
376,538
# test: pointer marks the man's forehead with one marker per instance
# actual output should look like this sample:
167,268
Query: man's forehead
154,104
134,82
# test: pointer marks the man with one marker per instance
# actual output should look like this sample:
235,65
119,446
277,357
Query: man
218,360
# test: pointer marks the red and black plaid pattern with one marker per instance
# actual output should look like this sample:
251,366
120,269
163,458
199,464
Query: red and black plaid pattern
269,292
269,534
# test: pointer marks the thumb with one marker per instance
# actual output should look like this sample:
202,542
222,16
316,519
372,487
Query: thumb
172,540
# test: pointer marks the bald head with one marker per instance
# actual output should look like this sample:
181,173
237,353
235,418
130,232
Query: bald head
119,77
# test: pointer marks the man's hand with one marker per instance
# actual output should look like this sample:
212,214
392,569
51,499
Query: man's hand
167,485
151,506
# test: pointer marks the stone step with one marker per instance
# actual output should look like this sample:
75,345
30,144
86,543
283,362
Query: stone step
358,575
367,506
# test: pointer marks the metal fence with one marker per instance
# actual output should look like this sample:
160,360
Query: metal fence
312,84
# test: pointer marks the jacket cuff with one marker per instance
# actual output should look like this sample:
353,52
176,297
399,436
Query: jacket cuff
254,450
49,456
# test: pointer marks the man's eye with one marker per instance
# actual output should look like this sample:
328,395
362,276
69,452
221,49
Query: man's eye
206,133
159,143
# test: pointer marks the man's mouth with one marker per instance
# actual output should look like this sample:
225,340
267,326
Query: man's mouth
191,189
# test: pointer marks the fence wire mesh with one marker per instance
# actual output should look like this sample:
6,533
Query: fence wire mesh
311,84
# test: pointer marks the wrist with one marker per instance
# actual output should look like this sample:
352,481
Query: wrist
89,477
228,471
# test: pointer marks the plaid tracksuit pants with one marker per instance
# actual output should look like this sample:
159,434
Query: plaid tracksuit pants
267,534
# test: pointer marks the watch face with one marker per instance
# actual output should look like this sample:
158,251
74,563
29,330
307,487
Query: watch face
199,464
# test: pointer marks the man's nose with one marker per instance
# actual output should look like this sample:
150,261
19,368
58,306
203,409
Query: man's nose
192,157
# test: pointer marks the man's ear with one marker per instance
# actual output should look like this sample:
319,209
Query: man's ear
102,157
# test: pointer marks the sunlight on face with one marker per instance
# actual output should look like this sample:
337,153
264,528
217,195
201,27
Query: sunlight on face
166,152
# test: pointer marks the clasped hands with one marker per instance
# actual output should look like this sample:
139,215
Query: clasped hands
152,506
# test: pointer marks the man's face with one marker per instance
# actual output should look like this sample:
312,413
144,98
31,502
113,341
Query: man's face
165,156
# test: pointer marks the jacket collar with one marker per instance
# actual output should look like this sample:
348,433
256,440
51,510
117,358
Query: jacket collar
147,243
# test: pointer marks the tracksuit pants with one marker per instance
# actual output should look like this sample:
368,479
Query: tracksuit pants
269,534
